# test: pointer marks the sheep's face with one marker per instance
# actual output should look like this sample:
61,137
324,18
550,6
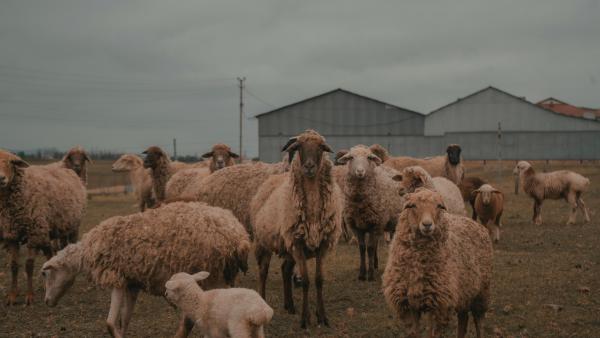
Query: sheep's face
486,191
221,155
9,164
126,163
154,155
410,179
521,167
57,280
423,210
179,282
453,152
310,147
361,162
76,159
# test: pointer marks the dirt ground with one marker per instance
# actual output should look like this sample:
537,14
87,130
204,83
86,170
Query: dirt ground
535,268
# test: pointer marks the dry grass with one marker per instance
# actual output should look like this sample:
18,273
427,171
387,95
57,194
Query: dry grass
534,266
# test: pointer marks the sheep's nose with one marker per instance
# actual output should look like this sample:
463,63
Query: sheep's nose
2,179
427,224
360,172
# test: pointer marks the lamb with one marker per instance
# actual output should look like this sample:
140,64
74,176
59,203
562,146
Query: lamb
220,157
489,204
438,263
140,252
467,186
218,313
449,166
139,176
300,219
77,160
553,185
415,177
372,203
39,205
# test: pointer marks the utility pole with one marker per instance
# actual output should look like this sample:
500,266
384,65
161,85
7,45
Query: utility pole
241,80
499,147
175,149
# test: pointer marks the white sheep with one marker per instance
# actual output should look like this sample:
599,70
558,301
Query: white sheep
553,185
139,177
235,312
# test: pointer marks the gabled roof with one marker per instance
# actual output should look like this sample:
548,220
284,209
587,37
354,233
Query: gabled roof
334,91
510,95
564,108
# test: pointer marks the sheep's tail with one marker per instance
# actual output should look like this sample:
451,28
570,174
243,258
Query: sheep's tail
260,314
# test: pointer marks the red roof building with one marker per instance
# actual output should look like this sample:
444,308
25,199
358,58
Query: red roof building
564,108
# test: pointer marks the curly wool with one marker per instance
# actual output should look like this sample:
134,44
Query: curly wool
182,179
552,185
146,249
437,166
450,272
40,204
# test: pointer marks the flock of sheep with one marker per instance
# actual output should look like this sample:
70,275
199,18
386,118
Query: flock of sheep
199,222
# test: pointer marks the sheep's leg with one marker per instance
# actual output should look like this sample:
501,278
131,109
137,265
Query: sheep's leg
287,271
497,228
263,258
375,257
572,200
463,322
537,212
185,327
127,308
584,210
474,214
300,259
14,269
29,269
116,299
478,320
321,316
372,251
362,247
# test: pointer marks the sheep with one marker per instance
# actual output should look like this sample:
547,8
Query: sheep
449,166
300,219
39,206
553,185
415,177
181,180
438,263
467,186
372,203
140,252
218,313
139,176
77,160
489,204
220,157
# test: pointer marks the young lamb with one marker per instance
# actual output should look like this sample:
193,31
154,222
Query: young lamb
220,157
39,205
467,186
449,166
439,263
553,185
300,219
139,176
416,177
372,203
489,204
140,252
77,160
219,313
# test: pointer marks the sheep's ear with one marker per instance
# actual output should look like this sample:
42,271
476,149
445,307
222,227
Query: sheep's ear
290,147
145,152
376,159
200,276
234,155
475,192
338,155
380,151
408,205
291,141
344,159
397,178
19,163
207,155
170,285
326,148
87,158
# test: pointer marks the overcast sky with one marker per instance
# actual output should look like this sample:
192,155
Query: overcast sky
122,75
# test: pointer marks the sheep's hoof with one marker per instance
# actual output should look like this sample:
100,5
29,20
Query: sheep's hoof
29,299
322,320
297,281
361,276
304,322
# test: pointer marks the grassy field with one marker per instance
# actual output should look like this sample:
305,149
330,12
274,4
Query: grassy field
534,266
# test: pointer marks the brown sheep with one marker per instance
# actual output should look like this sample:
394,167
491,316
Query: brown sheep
553,185
220,157
77,160
300,219
489,204
467,186
439,264
449,166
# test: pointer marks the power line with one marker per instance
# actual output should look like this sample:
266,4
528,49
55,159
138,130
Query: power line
259,99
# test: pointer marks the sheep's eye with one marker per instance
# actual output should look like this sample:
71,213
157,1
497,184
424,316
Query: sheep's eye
441,206
410,206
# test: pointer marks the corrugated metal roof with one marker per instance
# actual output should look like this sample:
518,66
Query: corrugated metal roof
564,108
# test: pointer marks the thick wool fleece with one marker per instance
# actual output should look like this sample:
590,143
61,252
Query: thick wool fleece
552,185
447,272
450,192
42,203
146,249
182,179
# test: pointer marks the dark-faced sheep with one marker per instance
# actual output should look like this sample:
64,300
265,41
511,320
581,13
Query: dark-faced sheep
140,252
553,185
439,264
449,166
467,186
39,205
489,204
220,157
77,160
300,219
